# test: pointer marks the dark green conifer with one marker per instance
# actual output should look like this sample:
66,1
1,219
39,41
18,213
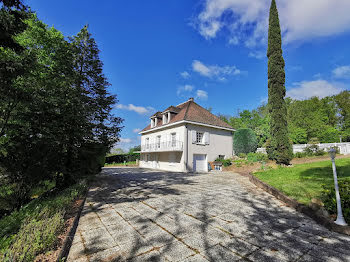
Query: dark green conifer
281,149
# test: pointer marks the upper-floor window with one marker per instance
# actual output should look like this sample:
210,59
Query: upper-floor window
147,142
158,142
173,139
199,137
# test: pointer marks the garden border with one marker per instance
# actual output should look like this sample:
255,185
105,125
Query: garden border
314,211
63,255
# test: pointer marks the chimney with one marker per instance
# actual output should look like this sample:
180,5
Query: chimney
191,99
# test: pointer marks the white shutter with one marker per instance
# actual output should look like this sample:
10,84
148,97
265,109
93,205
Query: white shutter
206,138
194,136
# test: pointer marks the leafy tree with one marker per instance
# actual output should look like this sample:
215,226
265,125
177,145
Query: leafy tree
134,149
244,141
276,91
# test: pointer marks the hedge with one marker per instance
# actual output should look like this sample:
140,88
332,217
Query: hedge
120,158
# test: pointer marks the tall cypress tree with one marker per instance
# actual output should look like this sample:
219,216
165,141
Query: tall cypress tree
280,146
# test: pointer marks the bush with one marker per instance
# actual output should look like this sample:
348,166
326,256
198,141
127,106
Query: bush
314,150
225,162
256,157
244,141
329,200
242,155
120,158
300,154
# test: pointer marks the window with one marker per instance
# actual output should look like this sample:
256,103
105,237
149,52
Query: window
199,137
148,157
221,156
147,143
173,139
158,141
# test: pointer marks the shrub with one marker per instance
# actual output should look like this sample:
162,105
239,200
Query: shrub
244,141
329,200
225,162
256,157
242,155
314,150
300,154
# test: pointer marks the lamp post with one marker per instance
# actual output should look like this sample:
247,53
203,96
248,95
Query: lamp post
340,218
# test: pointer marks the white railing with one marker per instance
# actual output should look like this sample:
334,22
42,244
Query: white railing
163,146
344,148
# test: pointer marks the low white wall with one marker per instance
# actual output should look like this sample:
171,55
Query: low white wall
344,148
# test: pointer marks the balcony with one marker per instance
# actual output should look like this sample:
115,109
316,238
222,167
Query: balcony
163,147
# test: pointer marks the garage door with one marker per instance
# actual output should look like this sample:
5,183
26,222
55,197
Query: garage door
200,163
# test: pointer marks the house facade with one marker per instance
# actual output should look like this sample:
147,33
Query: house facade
185,138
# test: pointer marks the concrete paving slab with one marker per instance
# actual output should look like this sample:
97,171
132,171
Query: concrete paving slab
147,215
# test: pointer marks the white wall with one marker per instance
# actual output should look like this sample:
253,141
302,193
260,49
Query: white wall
164,133
164,157
344,148
220,143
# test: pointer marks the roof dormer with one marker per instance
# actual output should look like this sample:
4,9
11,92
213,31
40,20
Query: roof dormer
155,119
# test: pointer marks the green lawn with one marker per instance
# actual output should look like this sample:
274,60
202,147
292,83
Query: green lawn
303,181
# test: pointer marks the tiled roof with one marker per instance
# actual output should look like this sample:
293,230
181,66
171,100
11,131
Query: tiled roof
193,112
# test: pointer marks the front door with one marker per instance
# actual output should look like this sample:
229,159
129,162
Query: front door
200,163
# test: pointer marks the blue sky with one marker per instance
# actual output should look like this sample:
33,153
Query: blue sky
159,53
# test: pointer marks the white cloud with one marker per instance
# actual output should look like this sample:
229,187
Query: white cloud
185,74
257,54
233,40
214,70
138,109
125,140
320,88
184,90
136,130
341,72
201,94
247,20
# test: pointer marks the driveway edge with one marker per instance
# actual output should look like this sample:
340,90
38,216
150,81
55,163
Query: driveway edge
314,211
63,255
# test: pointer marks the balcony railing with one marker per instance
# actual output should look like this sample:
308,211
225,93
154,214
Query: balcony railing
163,146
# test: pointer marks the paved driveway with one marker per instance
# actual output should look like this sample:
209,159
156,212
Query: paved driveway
142,215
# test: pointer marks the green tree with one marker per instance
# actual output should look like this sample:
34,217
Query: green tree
244,141
277,91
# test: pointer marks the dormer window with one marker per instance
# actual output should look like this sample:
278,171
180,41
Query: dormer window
165,119
152,122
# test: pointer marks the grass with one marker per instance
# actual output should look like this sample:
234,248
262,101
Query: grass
34,228
131,163
304,181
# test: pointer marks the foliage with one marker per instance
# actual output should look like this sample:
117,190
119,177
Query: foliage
281,149
304,181
35,237
135,148
34,227
120,158
242,155
256,157
329,199
56,119
244,141
314,150
225,162
130,163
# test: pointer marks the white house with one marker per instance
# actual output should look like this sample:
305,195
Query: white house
185,138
